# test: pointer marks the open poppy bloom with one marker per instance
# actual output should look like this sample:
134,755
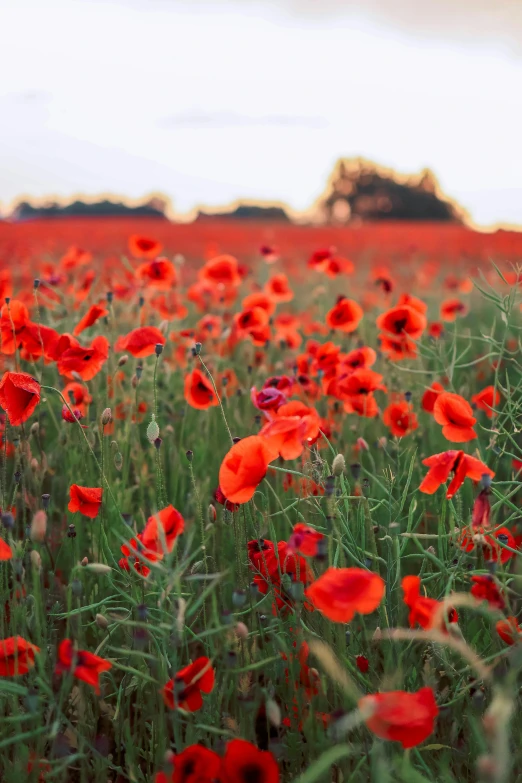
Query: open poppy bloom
290,428
85,361
269,399
199,391
398,348
361,381
400,418
75,257
362,404
270,563
16,656
341,592
19,396
424,611
490,543
408,718
253,323
144,247
39,340
185,689
509,630
305,539
91,316
345,316
456,416
14,317
359,358
157,538
487,400
430,396
450,309
6,553
413,301
195,764
86,500
244,763
402,320
160,273
141,341
259,299
461,465
82,664
486,589
244,468
221,271
278,289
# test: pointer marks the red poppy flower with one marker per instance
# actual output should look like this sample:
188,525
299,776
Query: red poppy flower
77,395
16,656
363,405
362,663
185,689
492,551
278,289
361,381
244,763
430,396
456,416
195,764
14,317
424,611
85,361
156,539
199,391
141,341
221,271
144,247
75,257
6,553
253,323
160,273
435,329
269,399
462,465
290,428
305,539
259,299
270,563
19,396
270,254
84,665
400,418
402,320
509,630
413,301
487,400
486,589
86,500
359,358
398,348
341,592
39,340
408,718
345,316
450,309
244,467
91,316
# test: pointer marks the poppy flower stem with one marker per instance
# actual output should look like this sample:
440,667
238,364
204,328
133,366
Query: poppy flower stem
102,474
217,396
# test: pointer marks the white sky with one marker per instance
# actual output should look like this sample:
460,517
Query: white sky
209,102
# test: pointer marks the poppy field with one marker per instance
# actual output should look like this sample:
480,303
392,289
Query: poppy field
260,492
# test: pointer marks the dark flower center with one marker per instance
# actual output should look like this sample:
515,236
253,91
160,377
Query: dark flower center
252,773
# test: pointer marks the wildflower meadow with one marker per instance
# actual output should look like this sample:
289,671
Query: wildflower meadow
260,505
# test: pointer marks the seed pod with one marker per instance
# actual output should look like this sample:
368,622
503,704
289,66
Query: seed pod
106,416
123,360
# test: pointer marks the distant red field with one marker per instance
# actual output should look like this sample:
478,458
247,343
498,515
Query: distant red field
382,242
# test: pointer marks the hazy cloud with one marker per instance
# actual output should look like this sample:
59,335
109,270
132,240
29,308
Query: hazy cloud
202,119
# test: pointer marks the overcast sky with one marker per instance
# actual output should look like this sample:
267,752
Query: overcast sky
210,102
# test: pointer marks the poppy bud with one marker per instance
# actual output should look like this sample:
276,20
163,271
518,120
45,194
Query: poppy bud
34,464
34,428
101,621
158,350
211,514
273,712
329,486
123,360
338,465
36,284
46,500
355,470
36,560
109,296
71,532
189,455
8,520
38,526
85,561
98,568
106,417
241,631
